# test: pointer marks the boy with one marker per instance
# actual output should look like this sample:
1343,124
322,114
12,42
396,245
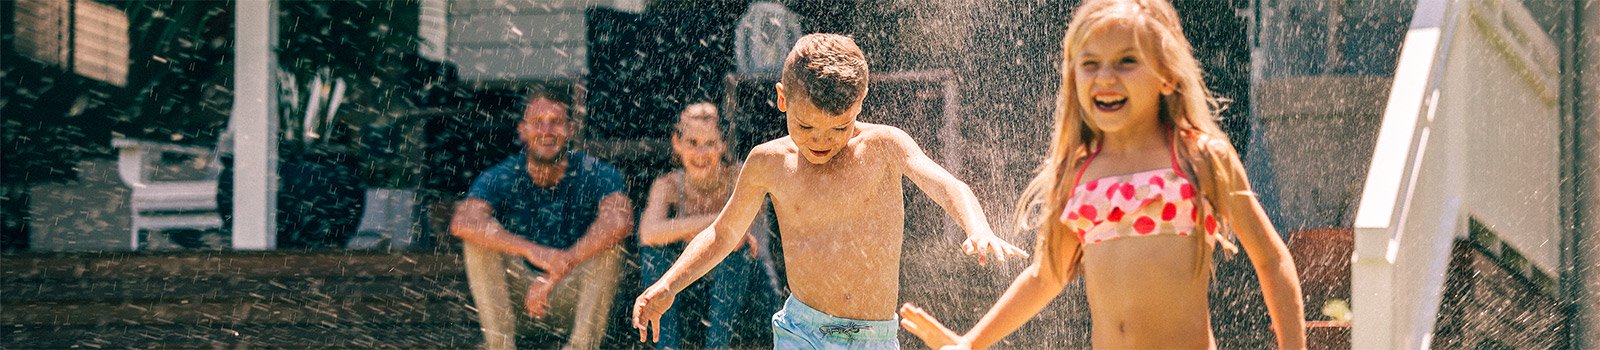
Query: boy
835,187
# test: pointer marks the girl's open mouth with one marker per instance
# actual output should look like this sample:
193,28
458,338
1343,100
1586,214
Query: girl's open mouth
1110,103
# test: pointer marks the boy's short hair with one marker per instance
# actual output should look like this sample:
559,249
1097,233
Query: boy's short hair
829,69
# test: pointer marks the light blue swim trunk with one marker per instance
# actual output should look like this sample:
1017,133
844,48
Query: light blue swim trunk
798,326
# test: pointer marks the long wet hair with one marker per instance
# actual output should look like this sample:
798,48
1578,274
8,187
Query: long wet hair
1190,112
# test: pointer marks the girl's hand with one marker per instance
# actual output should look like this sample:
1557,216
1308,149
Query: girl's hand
932,333
647,310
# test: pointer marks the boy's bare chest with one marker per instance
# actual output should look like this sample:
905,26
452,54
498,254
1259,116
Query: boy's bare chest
843,187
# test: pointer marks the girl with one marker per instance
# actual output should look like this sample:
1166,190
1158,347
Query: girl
684,202
1138,179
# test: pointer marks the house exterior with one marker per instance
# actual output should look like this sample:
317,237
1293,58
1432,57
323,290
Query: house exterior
1446,148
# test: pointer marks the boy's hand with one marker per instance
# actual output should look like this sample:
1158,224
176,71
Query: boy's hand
984,244
647,311
755,246
925,327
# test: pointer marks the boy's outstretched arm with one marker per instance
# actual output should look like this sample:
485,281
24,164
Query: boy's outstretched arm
707,248
954,196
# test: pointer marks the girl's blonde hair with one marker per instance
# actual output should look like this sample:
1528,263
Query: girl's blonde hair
1189,111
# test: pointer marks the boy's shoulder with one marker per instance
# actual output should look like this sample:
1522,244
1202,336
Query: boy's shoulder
874,130
770,154
775,148
882,135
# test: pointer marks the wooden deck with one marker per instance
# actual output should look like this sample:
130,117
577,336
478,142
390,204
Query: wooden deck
235,300
417,300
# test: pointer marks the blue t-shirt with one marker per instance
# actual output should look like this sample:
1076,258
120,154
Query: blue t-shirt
554,217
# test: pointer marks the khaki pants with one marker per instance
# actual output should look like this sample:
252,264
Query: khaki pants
580,303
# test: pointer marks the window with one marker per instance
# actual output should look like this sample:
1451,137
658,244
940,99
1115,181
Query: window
86,37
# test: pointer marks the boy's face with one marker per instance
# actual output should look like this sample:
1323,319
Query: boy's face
819,135
1117,81
545,129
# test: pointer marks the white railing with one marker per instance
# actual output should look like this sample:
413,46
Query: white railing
1470,131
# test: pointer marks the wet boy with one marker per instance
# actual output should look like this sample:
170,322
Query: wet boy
835,185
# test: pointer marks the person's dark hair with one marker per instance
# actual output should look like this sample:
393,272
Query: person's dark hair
829,69
559,96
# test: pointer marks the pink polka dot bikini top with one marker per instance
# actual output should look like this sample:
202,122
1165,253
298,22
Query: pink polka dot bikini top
1147,203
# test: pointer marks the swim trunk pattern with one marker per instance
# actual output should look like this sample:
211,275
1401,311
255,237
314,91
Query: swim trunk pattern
798,326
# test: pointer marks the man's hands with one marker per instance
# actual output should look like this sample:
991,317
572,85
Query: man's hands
647,311
925,327
556,264
553,261
537,300
984,244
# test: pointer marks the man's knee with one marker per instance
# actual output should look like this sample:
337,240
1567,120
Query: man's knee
475,255
601,272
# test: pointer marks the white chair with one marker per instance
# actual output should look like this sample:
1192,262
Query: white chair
387,220
160,205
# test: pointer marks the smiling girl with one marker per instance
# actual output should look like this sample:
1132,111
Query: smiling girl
1136,191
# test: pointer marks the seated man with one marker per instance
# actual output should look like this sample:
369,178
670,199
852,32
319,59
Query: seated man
551,219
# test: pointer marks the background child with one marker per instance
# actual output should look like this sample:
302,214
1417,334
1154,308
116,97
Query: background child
835,186
1138,178
684,202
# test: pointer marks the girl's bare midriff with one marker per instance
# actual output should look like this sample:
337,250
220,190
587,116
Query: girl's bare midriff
1146,293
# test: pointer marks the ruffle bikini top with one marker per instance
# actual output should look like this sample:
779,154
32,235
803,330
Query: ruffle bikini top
1147,203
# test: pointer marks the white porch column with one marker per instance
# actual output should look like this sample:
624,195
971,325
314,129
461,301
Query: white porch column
1588,157
255,125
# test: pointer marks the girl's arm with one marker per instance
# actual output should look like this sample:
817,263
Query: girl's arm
655,229
1029,293
1280,283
